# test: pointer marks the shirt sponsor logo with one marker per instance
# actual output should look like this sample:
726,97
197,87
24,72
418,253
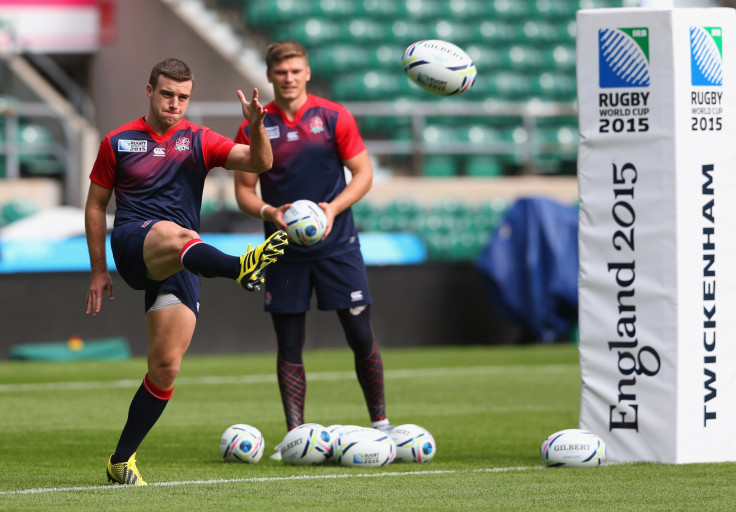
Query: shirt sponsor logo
623,57
292,136
132,146
182,144
316,125
159,151
273,132
706,56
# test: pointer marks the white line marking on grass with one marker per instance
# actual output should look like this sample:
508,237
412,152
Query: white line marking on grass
271,479
311,376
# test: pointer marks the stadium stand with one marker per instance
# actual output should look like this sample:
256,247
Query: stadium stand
525,55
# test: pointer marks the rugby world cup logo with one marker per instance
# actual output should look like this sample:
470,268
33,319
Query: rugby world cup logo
706,56
623,57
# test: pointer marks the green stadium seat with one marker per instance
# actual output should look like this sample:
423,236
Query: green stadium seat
337,9
553,9
560,57
420,9
372,85
521,58
326,60
491,32
510,85
360,31
35,145
440,166
464,245
457,32
555,86
408,31
507,9
483,166
404,213
462,10
492,211
18,209
454,209
386,56
270,14
539,32
310,32
379,9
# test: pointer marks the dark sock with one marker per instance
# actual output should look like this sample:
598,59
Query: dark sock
370,376
145,410
293,386
207,261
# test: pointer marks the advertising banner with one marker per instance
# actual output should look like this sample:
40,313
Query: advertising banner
657,184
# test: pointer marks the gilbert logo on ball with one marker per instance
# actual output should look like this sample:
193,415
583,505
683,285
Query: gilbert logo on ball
439,67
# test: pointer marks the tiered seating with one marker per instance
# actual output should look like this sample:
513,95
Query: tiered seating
34,144
524,51
452,229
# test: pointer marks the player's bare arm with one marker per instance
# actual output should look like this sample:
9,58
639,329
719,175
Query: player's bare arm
95,222
249,202
256,157
362,171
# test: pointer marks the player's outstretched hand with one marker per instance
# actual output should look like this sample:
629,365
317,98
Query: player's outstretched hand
253,111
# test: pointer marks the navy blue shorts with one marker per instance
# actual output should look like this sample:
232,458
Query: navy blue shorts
340,282
126,242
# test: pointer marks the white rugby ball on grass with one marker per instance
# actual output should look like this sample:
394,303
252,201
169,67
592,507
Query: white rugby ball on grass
365,447
306,445
439,67
574,447
413,443
242,443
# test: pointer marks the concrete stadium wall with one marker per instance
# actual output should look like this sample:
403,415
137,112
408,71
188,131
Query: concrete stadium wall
433,304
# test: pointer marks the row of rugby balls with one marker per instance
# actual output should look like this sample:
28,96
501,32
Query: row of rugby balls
348,445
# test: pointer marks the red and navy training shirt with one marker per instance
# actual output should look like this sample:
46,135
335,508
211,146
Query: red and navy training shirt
308,155
159,176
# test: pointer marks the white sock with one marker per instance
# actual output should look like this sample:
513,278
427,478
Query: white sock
380,423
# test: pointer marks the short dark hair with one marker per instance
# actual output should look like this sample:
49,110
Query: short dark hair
284,49
174,69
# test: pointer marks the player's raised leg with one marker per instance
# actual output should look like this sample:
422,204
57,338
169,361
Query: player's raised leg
168,248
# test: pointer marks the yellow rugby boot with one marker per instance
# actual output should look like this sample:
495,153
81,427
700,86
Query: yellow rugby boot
125,473
253,263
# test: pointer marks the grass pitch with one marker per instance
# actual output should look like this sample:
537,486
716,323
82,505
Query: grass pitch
489,409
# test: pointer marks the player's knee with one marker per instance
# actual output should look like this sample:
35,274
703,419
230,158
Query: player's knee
163,373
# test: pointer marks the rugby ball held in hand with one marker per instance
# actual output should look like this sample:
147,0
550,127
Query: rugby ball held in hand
439,67
305,222
573,447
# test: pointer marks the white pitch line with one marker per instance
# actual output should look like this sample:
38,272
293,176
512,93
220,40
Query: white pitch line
270,479
271,377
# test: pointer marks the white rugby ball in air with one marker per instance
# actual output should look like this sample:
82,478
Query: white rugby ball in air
574,447
439,67
305,222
